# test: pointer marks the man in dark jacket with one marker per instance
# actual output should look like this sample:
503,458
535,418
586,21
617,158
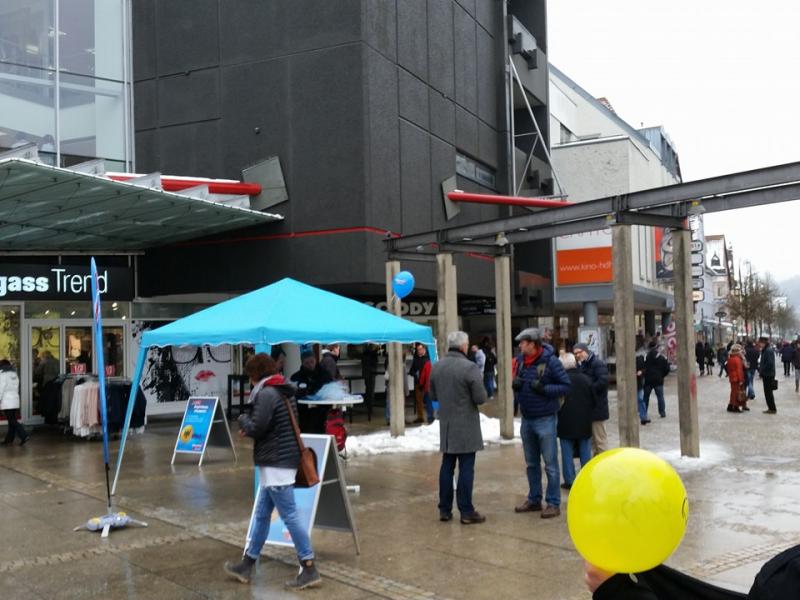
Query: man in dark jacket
787,354
656,367
575,420
640,388
751,355
597,371
276,456
457,384
309,380
766,368
539,383
700,356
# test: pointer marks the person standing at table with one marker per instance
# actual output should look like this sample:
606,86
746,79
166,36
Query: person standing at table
276,455
309,380
329,360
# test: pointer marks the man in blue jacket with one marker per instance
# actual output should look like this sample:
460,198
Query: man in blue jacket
597,371
539,383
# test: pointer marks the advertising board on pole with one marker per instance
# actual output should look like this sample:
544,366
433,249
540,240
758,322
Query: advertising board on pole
201,415
584,258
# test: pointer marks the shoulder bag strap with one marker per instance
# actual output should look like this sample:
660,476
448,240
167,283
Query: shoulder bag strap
294,423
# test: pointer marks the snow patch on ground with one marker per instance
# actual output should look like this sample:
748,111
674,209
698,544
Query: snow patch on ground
421,439
711,454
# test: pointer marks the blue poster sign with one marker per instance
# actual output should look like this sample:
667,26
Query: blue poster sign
196,425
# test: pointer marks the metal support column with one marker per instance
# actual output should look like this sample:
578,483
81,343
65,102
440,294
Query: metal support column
650,322
625,336
395,365
447,297
684,321
504,393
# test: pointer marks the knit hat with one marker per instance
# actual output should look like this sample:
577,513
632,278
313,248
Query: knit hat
581,346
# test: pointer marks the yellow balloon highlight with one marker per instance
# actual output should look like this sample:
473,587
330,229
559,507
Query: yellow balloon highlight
627,510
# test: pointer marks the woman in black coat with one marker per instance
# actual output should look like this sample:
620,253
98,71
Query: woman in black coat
575,420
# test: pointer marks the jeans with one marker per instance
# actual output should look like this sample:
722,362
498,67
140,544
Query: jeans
659,395
15,428
488,383
466,476
750,376
642,405
768,391
282,498
722,368
428,407
539,441
568,457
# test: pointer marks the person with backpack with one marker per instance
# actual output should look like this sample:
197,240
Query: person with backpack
656,368
276,456
539,384
597,371
489,366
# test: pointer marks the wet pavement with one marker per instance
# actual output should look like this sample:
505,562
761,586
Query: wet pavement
743,496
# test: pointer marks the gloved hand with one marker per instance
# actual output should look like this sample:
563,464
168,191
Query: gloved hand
538,387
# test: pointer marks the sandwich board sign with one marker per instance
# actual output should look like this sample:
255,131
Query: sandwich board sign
324,506
203,422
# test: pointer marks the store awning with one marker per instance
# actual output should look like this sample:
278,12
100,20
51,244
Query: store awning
44,208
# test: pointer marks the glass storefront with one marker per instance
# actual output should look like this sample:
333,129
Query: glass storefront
65,79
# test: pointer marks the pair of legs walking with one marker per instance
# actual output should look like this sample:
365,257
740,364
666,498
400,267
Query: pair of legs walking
644,404
15,428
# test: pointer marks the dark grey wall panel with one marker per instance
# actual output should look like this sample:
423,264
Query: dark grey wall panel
488,148
190,149
443,166
256,118
187,35
469,5
466,60
145,111
144,39
489,14
327,138
466,131
441,64
443,116
380,26
412,37
258,29
488,78
413,99
383,207
415,177
186,98
148,151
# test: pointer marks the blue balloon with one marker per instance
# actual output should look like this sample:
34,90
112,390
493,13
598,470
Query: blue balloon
403,284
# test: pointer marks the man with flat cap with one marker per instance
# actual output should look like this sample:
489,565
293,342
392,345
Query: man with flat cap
540,382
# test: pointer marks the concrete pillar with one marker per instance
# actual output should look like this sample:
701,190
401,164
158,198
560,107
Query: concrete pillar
504,349
625,335
394,360
684,321
650,322
666,319
447,297
590,318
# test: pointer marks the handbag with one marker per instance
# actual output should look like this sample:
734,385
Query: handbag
307,475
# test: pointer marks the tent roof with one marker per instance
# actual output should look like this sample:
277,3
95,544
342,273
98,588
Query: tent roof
288,311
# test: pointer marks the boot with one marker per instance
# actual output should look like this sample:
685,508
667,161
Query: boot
242,570
307,576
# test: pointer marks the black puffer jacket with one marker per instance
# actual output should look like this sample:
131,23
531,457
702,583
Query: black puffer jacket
575,416
271,427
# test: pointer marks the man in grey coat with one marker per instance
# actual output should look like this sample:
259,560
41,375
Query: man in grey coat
457,384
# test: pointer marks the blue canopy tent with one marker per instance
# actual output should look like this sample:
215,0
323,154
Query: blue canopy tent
285,311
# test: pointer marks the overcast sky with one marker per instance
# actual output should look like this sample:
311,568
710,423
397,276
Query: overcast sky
723,78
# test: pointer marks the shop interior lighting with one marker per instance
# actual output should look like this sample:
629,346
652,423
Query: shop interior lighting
47,312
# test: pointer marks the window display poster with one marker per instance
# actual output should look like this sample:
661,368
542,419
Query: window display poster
196,425
594,338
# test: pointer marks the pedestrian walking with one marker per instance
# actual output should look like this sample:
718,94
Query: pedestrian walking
722,358
489,366
710,354
787,354
796,365
457,384
751,356
656,368
575,420
539,383
766,368
276,456
700,357
597,371
9,404
640,387
737,401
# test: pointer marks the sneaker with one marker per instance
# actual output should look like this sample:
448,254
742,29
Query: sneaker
645,421
472,519
445,516
551,511
242,570
528,506
308,576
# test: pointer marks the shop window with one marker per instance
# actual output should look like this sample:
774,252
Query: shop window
76,310
10,334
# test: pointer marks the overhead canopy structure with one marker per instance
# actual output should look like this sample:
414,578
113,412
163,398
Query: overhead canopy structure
286,311
44,208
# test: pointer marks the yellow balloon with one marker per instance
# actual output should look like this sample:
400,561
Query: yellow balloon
627,510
